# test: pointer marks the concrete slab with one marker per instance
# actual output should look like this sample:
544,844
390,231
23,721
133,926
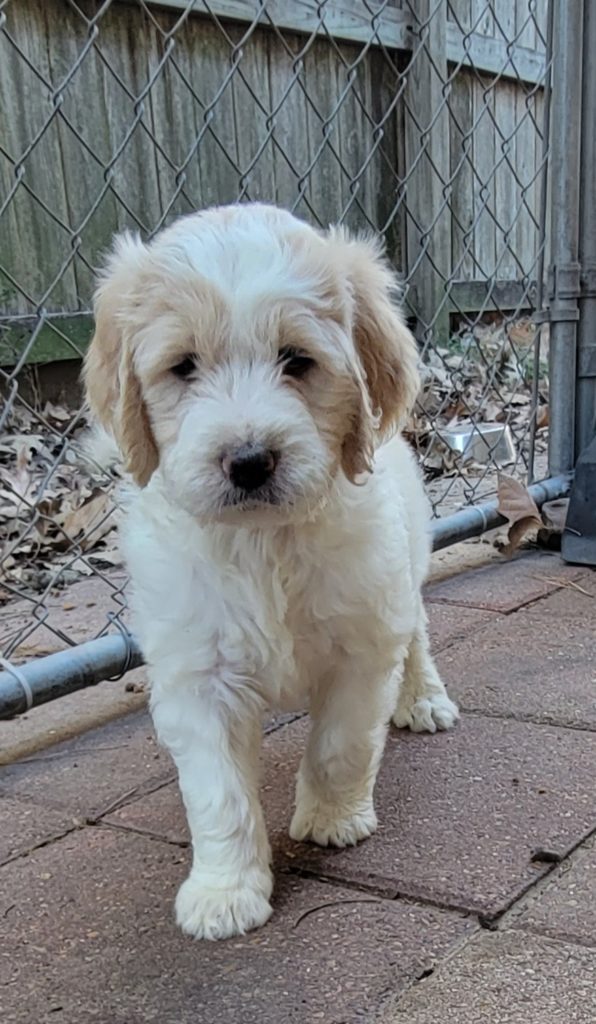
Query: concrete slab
461,813
90,773
566,908
447,625
507,586
87,933
505,978
539,663
24,825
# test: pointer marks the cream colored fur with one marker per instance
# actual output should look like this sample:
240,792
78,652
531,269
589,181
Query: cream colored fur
308,595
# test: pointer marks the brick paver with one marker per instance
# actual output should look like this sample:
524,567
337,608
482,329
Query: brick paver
507,586
505,978
538,663
566,908
92,923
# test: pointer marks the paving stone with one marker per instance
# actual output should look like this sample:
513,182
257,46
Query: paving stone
24,825
89,773
461,813
448,624
505,978
159,814
539,663
566,909
88,934
507,586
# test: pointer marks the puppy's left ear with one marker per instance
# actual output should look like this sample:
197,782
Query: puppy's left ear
387,349
386,376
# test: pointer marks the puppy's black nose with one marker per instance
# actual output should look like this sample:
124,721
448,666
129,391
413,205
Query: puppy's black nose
249,467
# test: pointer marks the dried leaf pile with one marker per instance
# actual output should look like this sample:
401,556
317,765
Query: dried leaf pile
57,516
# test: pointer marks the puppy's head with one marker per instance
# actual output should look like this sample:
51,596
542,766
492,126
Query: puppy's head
250,359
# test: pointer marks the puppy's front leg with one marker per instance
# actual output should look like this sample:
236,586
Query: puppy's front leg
350,713
214,737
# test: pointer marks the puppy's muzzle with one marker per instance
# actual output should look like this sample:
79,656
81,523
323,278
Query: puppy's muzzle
249,467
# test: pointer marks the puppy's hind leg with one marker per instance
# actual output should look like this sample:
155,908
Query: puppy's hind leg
423,704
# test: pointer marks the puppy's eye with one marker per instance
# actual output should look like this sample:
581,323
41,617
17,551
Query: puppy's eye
293,362
184,368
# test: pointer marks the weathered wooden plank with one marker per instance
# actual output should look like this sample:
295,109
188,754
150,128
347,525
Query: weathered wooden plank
541,24
388,186
256,180
324,78
357,140
126,108
33,245
527,192
461,111
175,116
471,296
61,337
460,11
525,23
482,18
504,14
494,56
507,193
83,129
427,170
484,176
290,131
350,20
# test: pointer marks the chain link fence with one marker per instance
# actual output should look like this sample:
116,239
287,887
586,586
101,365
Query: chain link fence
423,120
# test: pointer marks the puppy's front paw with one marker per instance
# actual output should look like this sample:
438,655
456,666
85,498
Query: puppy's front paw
209,913
427,714
329,826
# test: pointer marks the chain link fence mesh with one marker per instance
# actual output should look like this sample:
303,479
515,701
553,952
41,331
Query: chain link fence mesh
422,120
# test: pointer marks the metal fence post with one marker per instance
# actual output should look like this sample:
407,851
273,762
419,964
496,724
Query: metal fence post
565,270
585,410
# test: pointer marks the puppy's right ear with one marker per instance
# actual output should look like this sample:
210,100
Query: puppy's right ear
113,389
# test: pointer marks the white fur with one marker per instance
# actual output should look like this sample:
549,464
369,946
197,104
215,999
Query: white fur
315,604
234,620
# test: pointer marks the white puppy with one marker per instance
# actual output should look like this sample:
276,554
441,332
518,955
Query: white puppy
252,370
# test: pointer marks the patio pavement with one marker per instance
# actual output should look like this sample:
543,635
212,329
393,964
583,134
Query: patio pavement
474,903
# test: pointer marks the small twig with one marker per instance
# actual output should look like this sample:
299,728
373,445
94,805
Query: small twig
333,903
562,583
8,910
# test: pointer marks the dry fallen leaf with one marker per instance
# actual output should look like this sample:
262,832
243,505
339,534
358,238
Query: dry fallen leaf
518,507
87,524
542,417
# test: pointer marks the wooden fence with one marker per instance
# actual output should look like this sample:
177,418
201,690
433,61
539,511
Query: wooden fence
422,121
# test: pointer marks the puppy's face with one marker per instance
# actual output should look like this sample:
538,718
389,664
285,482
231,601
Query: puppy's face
249,359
